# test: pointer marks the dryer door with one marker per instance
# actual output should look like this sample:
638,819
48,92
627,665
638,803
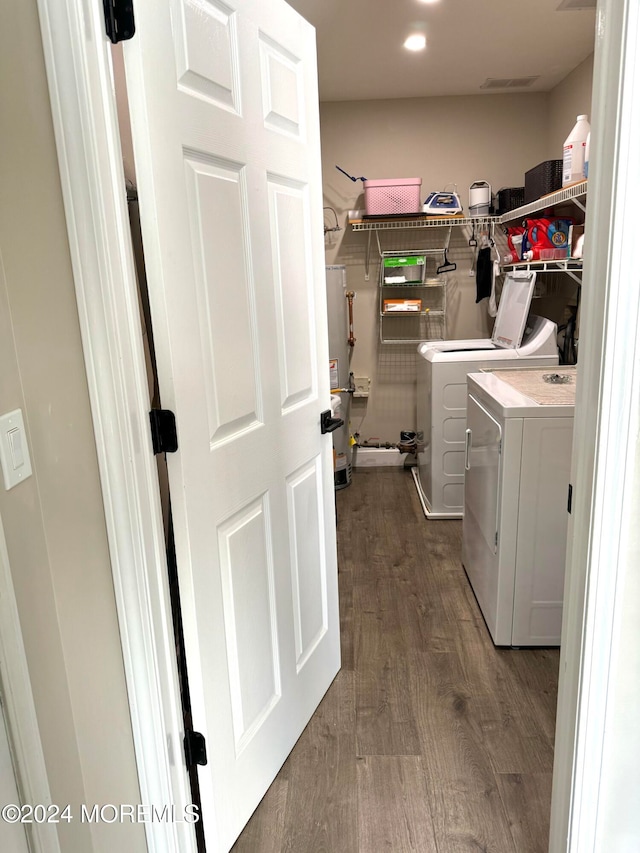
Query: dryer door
482,475
481,497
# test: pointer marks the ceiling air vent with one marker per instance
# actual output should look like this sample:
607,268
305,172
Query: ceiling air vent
576,5
509,82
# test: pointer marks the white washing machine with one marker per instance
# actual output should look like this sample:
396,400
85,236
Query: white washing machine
442,390
514,531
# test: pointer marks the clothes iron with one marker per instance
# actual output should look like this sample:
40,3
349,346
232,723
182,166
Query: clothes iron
443,203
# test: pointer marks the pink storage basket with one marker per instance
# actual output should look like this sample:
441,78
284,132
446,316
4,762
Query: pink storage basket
392,196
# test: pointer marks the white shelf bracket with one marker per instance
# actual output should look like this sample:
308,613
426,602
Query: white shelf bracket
579,204
367,256
367,259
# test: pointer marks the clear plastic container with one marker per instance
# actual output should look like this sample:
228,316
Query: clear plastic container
573,152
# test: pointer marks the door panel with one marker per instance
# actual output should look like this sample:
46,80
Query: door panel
250,618
304,490
282,88
289,220
219,218
206,52
224,111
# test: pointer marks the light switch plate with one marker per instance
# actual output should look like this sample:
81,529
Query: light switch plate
14,451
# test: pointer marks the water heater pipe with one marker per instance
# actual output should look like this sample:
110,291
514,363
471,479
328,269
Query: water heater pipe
350,295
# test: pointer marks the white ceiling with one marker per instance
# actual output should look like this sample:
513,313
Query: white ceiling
360,53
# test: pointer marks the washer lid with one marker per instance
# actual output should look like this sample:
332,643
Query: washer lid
513,310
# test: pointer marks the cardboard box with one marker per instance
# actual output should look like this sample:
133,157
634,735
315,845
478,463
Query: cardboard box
395,306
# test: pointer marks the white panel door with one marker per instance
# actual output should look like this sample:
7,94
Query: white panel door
224,108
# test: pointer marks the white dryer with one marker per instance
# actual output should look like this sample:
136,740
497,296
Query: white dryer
514,531
442,390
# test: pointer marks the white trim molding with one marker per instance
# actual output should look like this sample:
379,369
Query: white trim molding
20,711
78,61
606,418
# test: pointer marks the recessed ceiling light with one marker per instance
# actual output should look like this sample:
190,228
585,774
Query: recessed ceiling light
416,42
429,1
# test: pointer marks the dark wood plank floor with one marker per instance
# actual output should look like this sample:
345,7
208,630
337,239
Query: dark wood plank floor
430,738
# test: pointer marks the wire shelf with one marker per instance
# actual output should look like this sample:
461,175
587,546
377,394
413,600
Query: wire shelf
547,266
570,266
573,193
430,312
419,222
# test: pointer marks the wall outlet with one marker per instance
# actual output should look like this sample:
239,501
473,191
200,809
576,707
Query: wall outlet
362,385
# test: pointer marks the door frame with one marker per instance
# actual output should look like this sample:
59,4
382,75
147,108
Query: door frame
605,436
80,76
20,711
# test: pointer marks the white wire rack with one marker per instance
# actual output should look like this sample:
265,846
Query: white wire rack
575,194
418,222
570,266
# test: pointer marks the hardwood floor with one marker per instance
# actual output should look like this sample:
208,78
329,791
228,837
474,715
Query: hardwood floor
430,738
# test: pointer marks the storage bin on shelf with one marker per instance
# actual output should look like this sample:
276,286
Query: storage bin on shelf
392,196
397,306
542,179
403,269
509,198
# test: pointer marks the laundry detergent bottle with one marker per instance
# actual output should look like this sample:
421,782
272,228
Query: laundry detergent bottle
573,152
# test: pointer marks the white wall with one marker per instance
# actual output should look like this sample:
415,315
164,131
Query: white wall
54,522
570,98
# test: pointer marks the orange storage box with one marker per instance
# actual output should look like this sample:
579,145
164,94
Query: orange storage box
396,306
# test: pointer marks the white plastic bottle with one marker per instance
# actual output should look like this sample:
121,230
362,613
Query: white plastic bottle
573,152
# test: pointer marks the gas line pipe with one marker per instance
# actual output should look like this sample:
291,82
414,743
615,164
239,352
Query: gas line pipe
350,295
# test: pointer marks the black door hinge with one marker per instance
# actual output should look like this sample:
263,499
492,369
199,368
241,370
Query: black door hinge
569,498
118,20
329,424
163,431
195,748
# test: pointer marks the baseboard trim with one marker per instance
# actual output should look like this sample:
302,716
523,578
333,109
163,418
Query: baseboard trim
423,501
426,508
